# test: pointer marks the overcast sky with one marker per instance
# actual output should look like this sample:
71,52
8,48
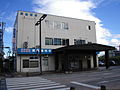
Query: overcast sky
104,12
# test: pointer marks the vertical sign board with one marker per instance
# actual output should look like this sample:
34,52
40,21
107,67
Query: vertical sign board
14,40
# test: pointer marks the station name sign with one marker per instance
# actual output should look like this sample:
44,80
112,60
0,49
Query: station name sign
33,51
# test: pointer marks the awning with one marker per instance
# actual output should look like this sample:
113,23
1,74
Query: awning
88,47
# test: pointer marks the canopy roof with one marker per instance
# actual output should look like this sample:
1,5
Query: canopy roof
88,47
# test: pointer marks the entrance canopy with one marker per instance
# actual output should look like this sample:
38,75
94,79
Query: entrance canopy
84,48
88,47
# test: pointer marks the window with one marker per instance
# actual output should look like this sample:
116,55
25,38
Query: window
33,57
57,41
21,13
49,23
78,41
26,14
26,63
31,14
57,25
45,61
65,42
65,26
35,15
48,41
89,27
89,42
34,64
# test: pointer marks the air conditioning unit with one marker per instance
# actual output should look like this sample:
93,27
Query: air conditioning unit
25,45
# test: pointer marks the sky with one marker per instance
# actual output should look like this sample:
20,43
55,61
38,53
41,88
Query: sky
104,12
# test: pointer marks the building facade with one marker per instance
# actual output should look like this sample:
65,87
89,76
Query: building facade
56,32
1,45
1,39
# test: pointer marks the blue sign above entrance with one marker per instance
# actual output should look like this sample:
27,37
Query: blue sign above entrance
33,51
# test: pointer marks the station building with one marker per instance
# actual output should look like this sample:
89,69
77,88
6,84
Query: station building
67,43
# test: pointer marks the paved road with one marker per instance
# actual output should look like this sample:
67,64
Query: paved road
33,83
3,84
110,78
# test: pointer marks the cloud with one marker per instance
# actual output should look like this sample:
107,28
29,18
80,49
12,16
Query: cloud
81,9
117,36
9,29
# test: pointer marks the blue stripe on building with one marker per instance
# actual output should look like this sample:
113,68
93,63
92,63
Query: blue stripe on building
33,51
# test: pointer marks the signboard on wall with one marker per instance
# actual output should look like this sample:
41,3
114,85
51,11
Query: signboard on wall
33,51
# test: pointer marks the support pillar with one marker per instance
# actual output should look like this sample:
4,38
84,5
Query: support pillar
56,62
94,60
107,59
66,63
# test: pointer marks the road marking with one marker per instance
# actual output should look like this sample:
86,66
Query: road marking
61,86
62,89
10,86
33,83
86,85
108,81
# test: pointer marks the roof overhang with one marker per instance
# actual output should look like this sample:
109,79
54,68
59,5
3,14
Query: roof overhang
86,47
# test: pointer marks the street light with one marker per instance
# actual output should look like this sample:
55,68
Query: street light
39,23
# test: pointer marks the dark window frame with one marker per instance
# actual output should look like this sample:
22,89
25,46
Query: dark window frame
25,63
48,41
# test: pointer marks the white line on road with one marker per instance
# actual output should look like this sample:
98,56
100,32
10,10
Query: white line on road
86,85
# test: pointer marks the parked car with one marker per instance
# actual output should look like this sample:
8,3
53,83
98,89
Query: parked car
113,63
101,63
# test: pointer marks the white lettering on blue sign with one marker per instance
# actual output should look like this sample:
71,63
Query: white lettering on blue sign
49,50
42,51
33,51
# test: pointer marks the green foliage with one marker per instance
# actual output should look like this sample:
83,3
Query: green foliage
115,58
101,58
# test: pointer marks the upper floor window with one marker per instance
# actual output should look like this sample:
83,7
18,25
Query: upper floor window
57,41
79,42
49,23
31,14
65,26
35,15
89,42
65,42
57,25
21,13
48,41
89,27
26,14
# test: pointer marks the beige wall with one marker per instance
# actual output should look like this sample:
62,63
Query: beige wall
27,31
20,68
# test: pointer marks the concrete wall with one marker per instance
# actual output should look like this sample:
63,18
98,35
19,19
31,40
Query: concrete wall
50,67
26,31
78,29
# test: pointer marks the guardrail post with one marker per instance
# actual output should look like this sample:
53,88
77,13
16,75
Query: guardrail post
103,87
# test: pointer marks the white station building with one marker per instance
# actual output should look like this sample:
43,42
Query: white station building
66,43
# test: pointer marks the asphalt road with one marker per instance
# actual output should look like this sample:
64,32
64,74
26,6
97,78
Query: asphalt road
110,78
